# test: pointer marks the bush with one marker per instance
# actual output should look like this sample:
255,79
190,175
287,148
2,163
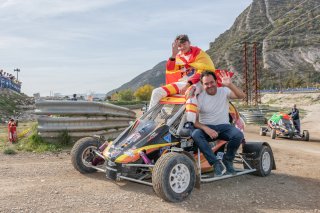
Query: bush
125,95
64,138
9,151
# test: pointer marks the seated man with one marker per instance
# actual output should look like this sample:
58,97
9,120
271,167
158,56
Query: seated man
183,69
276,119
213,120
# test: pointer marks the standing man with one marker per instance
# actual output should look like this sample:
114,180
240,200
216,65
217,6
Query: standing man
295,118
213,120
12,130
183,69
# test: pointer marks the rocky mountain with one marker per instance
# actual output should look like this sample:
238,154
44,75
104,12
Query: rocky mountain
154,77
287,35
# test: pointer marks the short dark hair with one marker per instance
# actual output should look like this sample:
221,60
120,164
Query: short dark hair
207,73
182,38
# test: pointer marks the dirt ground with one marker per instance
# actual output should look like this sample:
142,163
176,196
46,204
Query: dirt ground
48,183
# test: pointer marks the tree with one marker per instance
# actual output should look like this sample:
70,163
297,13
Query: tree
144,93
125,95
114,96
107,98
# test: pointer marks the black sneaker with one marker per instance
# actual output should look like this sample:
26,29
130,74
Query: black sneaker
229,167
219,169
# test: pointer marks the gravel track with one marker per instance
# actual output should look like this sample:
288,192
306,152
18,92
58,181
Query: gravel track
48,183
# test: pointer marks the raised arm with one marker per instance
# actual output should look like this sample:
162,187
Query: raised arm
236,93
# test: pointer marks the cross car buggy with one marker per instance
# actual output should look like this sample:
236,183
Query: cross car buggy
281,125
157,150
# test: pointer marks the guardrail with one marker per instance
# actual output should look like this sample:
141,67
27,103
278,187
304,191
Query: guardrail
253,116
81,118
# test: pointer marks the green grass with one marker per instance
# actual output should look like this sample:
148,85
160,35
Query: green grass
32,142
35,143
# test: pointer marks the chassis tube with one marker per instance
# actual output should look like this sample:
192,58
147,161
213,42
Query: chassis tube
207,180
135,180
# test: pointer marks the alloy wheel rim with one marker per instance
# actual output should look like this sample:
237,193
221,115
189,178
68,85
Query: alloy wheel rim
266,161
88,155
179,178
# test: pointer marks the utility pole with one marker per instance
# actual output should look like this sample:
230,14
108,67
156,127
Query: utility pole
17,70
255,85
245,73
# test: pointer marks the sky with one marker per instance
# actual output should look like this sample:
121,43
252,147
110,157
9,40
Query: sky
82,46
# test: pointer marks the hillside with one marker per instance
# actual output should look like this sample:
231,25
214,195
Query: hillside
154,77
13,103
288,43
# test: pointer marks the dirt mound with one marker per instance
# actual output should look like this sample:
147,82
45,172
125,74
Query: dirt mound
288,99
13,104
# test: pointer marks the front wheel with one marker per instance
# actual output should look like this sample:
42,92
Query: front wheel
82,154
306,135
291,134
264,162
273,134
173,177
262,131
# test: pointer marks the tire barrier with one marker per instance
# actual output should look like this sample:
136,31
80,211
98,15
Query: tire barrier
81,119
253,117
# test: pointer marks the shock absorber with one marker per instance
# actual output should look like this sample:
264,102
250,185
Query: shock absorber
145,157
103,146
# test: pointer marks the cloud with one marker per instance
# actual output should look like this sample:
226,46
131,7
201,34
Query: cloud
22,42
32,9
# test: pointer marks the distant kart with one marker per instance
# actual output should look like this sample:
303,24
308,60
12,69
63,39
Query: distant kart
283,127
157,150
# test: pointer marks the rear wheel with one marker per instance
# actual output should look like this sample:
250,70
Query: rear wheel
82,154
173,177
306,135
262,131
291,135
273,134
264,163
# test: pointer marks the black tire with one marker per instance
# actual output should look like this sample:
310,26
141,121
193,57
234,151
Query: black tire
262,131
164,176
273,134
82,152
291,134
306,135
264,163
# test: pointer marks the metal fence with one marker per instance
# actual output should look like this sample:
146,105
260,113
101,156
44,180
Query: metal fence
9,84
253,116
81,118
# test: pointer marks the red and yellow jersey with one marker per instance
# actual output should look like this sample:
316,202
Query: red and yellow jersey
191,64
